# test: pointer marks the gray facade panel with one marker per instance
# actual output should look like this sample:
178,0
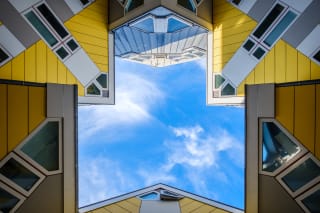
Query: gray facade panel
304,25
11,18
259,9
148,206
48,197
205,11
61,9
273,198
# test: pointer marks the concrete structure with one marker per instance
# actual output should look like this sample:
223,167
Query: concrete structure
48,47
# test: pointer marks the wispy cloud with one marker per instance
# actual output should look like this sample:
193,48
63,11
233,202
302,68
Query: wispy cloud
101,178
135,97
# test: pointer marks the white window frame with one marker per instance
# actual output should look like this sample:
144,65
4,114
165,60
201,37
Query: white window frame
294,166
288,134
305,195
15,194
97,84
150,192
6,52
222,86
27,166
33,162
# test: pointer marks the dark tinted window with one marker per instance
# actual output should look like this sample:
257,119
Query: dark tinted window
3,56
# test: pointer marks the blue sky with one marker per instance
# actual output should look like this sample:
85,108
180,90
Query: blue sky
161,131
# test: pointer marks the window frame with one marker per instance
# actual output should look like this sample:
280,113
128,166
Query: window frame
150,192
7,53
291,168
221,87
288,134
15,194
193,2
33,162
97,84
301,197
12,184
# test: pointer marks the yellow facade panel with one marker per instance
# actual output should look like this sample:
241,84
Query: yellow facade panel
5,71
280,59
129,206
52,67
30,64
269,67
185,201
314,71
259,73
291,64
219,211
304,114
103,67
89,39
94,49
80,19
41,62
191,207
114,208
95,12
317,129
250,78
3,121
62,73
37,106
70,78
18,67
99,59
285,107
240,89
303,67
102,210
204,209
17,115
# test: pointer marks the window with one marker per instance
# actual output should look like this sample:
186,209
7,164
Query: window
309,201
259,53
188,4
150,196
4,57
301,175
248,45
132,4
280,28
175,25
317,56
19,175
52,20
218,81
268,20
228,90
93,90
41,28
102,80
51,29
145,25
236,2
167,195
277,148
43,147
10,200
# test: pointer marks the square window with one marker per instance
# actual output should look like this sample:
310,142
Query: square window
259,53
3,56
62,52
248,45
72,45
10,200
19,175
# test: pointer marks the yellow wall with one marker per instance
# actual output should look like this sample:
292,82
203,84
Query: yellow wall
231,27
188,205
22,109
89,27
282,64
39,64
298,110
131,205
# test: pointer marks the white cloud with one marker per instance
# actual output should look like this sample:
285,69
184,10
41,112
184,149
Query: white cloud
154,176
135,97
100,179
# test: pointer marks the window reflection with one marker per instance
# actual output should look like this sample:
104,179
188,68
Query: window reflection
277,147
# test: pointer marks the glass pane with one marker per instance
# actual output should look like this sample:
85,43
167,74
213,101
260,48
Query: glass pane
3,56
55,24
145,25
93,90
277,147
102,79
259,53
280,28
228,90
150,196
7,201
18,174
236,2
132,4
312,201
41,28
302,175
43,147
266,23
198,1
84,2
62,52
317,56
72,45
218,81
187,4
248,45
174,25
